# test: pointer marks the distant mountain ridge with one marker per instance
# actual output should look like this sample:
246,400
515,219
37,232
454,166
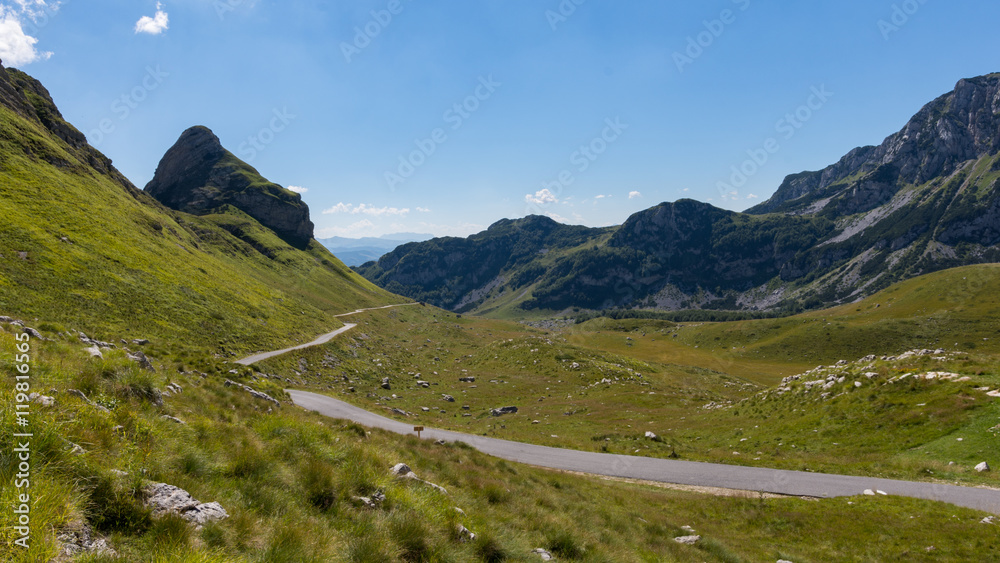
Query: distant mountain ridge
926,199
357,251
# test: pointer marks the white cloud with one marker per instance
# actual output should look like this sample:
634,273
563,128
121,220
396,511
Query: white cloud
686,190
423,210
17,48
633,195
602,196
153,25
541,197
752,196
298,189
365,209
557,217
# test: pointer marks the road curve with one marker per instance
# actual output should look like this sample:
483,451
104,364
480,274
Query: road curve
778,481
320,340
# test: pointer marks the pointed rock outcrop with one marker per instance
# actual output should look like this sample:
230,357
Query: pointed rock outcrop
199,176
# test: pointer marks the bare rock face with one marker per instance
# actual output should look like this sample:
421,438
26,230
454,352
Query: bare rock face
959,126
199,176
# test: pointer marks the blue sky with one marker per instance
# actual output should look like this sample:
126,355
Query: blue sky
442,117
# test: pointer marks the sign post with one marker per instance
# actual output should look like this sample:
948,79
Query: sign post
418,430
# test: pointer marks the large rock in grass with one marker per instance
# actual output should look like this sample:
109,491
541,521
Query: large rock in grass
166,499
983,467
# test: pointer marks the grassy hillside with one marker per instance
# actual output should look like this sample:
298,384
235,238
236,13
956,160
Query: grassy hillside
82,251
601,385
288,480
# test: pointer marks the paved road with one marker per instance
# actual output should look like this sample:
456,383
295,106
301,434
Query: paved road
321,340
797,483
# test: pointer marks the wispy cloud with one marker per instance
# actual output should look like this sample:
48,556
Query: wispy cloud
365,209
633,195
541,197
17,48
153,25
423,210
298,189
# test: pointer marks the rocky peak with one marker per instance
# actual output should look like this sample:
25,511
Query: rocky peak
198,175
669,225
957,127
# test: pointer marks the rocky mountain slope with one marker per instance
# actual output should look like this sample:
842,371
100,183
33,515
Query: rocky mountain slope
84,248
925,199
198,176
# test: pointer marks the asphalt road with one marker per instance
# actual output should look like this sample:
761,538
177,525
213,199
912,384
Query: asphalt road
321,340
796,483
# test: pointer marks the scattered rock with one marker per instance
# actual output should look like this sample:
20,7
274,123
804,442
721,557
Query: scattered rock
688,540
464,534
172,419
440,442
253,392
41,399
688,529
869,492
34,333
651,436
143,361
94,352
400,412
467,379
403,471
983,467
87,340
80,394
374,502
82,541
166,499
503,410
545,555
140,342
988,520
385,383
448,398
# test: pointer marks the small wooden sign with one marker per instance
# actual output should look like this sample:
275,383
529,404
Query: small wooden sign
418,430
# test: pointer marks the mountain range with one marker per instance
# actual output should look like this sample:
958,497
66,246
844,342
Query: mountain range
926,199
357,251
209,252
